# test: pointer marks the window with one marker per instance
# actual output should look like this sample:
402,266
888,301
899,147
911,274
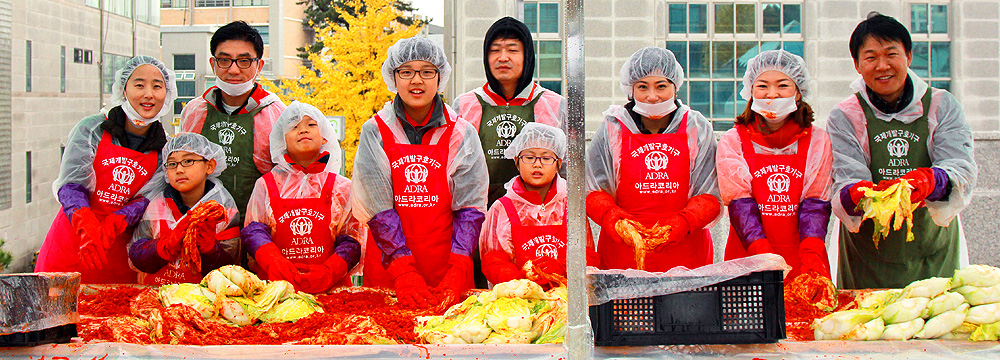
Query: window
714,41
185,88
225,3
27,177
265,33
27,66
173,3
184,62
62,69
543,20
112,63
931,43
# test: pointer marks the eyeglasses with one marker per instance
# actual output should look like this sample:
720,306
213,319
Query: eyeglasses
170,165
224,63
531,159
424,74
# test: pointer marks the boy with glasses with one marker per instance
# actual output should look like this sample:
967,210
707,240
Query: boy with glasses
237,112
529,222
191,164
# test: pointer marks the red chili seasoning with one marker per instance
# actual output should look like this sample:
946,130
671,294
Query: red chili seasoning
108,302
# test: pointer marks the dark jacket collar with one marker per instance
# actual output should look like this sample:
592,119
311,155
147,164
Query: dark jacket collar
115,125
902,103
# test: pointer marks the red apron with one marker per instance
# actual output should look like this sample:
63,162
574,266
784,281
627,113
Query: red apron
120,173
170,273
654,178
422,198
534,242
776,184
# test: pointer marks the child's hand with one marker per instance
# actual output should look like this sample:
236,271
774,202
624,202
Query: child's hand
206,236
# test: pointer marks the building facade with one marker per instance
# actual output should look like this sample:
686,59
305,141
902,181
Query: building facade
188,25
50,78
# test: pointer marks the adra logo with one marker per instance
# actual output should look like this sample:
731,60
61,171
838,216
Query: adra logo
778,182
506,129
656,160
415,173
226,136
898,147
123,174
301,226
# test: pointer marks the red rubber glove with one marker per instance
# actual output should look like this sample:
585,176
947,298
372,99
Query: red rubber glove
206,236
276,265
696,215
498,268
857,194
93,245
170,243
760,246
922,181
679,229
318,278
113,226
411,289
459,274
812,257
551,266
601,207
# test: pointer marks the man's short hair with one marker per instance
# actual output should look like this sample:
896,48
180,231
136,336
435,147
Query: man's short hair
881,27
238,30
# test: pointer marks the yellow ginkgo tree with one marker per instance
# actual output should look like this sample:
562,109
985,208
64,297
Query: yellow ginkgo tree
346,78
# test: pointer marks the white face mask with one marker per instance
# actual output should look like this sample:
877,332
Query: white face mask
235,89
140,121
774,110
655,111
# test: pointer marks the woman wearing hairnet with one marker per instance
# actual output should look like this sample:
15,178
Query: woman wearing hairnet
192,165
299,226
778,168
421,182
653,161
108,158
529,222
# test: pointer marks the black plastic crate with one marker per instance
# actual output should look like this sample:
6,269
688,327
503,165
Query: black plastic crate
745,310
58,334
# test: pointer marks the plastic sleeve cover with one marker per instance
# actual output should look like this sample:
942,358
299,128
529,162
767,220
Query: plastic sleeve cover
72,197
814,216
745,217
255,235
466,225
77,165
142,254
348,249
387,230
133,210
942,187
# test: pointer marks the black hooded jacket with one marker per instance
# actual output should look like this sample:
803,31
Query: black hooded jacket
510,28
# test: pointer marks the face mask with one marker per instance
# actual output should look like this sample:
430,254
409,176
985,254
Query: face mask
774,110
235,89
655,111
134,117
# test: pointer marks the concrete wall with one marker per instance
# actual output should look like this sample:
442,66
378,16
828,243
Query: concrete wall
42,118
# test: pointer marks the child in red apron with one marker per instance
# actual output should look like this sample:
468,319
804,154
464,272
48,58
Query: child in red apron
778,168
420,182
299,226
653,161
529,222
191,166
109,157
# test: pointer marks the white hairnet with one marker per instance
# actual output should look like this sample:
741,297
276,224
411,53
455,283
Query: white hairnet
413,49
651,61
292,115
196,144
123,74
536,135
779,60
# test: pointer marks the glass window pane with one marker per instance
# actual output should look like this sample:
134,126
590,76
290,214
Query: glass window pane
745,50
184,62
548,18
746,22
265,32
531,16
555,86
918,18
941,59
946,85
699,59
678,18
795,47
550,59
772,18
701,96
919,65
679,48
792,19
939,19
185,88
723,104
697,18
724,18
179,105
722,59
722,125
